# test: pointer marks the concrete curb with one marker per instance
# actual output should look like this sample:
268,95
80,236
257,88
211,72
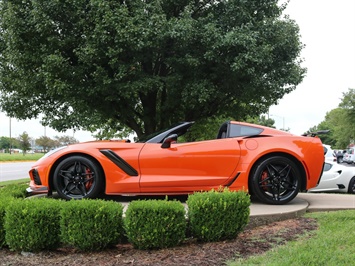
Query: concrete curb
262,214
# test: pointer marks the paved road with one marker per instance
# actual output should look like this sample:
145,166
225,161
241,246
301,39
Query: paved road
13,171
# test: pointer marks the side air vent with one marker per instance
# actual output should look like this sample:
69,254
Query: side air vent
117,160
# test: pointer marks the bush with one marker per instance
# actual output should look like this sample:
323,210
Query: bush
32,225
153,224
3,203
91,224
8,193
14,191
215,216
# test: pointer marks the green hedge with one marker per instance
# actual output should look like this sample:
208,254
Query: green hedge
42,223
215,216
3,203
91,224
32,225
154,224
7,194
14,191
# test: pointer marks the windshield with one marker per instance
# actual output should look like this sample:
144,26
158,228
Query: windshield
146,138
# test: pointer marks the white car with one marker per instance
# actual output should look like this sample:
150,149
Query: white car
336,178
349,156
329,154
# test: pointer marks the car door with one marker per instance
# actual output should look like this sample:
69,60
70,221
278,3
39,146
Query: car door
188,166
329,177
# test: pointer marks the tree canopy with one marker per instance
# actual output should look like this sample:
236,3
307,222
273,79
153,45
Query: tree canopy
341,123
143,65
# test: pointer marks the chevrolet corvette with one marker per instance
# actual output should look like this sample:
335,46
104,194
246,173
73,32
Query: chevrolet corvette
271,165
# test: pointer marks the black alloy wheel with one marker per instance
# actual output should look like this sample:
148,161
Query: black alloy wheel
351,188
275,180
78,177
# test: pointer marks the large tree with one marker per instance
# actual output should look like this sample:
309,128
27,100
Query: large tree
341,123
89,64
345,122
46,143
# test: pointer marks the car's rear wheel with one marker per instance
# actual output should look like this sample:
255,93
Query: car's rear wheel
78,177
275,180
351,188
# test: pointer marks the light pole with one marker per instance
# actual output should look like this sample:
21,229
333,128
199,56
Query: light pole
283,121
10,134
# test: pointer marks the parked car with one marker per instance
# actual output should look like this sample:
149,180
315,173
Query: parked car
329,154
349,156
340,155
336,178
270,164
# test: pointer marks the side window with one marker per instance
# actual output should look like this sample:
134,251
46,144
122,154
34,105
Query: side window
325,149
239,131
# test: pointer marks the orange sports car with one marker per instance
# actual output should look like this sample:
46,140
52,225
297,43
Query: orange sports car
272,165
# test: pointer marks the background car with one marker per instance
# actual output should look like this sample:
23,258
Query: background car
336,178
272,165
340,154
349,156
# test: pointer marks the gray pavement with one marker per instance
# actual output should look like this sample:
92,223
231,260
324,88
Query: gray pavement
261,214
328,201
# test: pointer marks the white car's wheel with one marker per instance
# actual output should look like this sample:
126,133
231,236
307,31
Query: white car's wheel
351,188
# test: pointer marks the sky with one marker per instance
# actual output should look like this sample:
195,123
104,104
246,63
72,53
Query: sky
327,28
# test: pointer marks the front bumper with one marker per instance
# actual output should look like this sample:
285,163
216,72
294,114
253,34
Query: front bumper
36,186
35,189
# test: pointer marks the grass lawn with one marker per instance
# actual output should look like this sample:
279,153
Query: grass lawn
332,244
17,181
6,157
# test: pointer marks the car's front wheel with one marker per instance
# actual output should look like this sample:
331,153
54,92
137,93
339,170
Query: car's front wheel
351,188
275,180
78,177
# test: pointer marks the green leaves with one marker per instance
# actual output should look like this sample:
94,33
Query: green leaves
218,215
152,224
143,65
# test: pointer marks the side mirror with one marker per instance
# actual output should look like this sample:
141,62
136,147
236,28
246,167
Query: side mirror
168,140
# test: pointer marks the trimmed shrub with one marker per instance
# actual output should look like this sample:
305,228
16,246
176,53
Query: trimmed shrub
215,216
32,225
154,224
91,224
8,193
14,191
3,203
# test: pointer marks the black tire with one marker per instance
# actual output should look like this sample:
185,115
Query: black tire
351,188
78,177
275,180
